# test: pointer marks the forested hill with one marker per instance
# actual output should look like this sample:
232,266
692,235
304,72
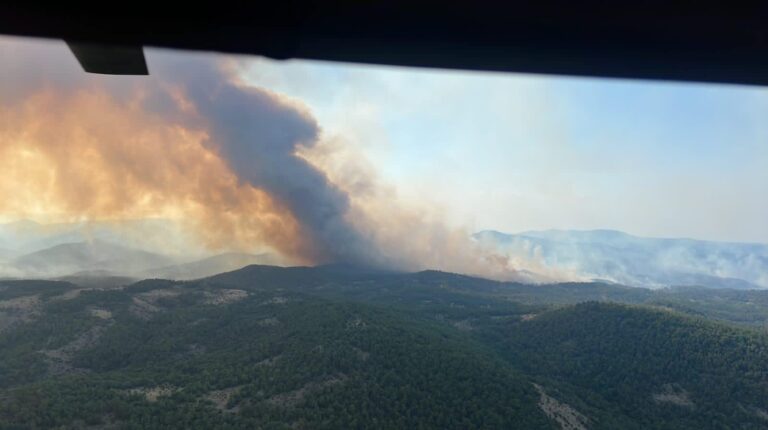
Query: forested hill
626,366
742,307
162,354
346,347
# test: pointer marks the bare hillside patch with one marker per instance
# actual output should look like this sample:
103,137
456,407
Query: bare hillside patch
563,414
675,395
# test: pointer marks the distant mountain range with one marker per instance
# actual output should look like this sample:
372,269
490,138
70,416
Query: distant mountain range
69,258
85,261
618,257
106,251
137,249
25,236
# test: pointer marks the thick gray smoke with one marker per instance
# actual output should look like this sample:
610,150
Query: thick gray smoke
259,134
242,164
255,131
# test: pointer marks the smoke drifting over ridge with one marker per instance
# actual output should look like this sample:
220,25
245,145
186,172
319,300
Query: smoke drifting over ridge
241,166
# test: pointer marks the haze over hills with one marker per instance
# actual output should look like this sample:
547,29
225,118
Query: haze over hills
137,248
638,261
21,237
94,250
97,255
211,265
90,262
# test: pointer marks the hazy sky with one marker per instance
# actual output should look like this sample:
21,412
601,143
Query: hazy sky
515,152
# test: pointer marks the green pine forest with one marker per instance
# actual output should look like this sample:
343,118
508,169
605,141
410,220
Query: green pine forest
341,347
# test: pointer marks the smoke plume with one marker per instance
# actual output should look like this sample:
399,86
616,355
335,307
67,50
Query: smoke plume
241,166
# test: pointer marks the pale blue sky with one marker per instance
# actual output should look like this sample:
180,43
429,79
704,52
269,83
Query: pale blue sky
517,152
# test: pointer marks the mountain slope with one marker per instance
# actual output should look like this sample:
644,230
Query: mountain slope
635,367
210,266
619,257
163,354
418,290
69,258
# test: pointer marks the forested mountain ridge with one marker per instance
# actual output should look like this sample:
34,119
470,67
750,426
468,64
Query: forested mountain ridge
743,307
160,353
347,347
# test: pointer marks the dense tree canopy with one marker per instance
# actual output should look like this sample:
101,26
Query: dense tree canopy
339,347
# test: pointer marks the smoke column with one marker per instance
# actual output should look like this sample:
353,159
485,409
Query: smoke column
259,134
242,166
